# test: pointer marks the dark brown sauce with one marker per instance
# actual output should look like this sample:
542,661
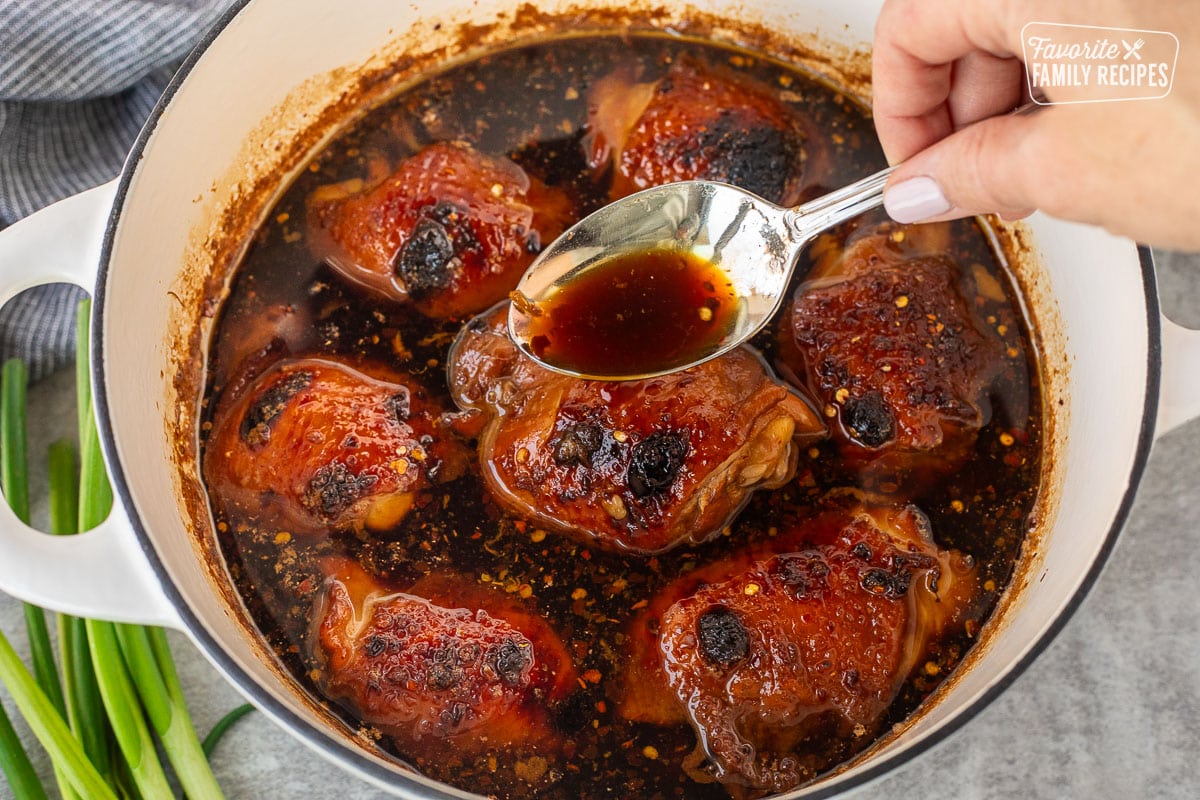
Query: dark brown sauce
636,313
529,103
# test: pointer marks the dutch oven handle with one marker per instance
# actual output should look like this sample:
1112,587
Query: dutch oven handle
1179,400
102,573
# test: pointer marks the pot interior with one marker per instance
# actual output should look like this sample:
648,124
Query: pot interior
264,93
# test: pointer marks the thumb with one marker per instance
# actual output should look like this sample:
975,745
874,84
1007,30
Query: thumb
988,167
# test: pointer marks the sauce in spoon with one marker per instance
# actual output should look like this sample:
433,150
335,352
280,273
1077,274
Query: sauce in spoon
633,313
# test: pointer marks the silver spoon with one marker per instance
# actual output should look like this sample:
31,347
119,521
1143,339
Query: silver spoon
755,242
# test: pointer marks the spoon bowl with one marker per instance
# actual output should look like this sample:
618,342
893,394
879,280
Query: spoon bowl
755,243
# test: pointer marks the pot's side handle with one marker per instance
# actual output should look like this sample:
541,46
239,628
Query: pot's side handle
1179,399
102,573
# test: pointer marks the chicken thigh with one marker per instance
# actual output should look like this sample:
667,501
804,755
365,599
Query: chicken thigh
640,465
882,333
445,661
322,446
451,229
810,632
698,123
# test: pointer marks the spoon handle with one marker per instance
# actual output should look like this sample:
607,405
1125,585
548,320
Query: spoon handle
806,221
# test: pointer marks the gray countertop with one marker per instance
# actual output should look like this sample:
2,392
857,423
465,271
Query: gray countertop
1110,710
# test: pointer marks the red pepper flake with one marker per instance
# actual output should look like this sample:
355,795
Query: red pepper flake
592,676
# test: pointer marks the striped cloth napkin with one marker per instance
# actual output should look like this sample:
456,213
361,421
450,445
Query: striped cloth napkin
77,81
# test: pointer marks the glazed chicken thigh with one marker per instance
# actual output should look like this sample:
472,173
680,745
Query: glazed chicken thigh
324,446
810,632
698,123
640,465
445,661
450,228
881,332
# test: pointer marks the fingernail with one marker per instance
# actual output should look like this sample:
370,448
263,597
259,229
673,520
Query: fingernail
915,200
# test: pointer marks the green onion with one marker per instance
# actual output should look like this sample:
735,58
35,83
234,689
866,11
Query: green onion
63,470
14,761
95,493
49,728
121,702
14,467
42,655
149,658
83,382
85,710
14,475
223,725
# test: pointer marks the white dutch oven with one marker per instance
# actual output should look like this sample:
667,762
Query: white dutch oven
1118,373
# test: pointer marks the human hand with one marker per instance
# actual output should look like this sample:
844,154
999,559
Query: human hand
945,73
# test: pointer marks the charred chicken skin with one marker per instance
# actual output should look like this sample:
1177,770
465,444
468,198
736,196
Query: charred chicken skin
639,466
812,632
450,229
445,661
323,446
882,334
698,123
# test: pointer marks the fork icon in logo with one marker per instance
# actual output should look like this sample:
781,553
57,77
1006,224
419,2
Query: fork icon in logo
1131,50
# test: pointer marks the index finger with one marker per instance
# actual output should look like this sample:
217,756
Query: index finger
921,48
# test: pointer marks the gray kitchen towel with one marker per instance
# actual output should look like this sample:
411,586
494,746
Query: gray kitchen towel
77,80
